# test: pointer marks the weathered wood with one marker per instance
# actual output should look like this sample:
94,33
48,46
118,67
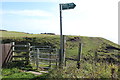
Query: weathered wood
62,52
57,59
21,51
72,59
21,56
45,56
21,45
61,40
28,58
1,56
18,51
18,60
79,55
96,57
45,67
13,49
48,59
64,45
37,59
6,53
53,64
41,47
48,54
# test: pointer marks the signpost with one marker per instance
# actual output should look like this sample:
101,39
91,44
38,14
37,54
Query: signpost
68,6
65,6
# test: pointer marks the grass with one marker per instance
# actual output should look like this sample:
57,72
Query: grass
14,71
91,46
21,34
87,70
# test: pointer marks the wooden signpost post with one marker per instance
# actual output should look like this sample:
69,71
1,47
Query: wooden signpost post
65,6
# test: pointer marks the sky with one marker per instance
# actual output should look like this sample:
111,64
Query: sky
94,18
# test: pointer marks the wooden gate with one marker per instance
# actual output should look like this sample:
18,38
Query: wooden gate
44,57
20,52
12,52
5,53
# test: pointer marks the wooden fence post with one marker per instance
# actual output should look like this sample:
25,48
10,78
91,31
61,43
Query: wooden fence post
56,57
62,53
1,58
37,58
50,58
28,55
64,48
13,49
79,55
96,57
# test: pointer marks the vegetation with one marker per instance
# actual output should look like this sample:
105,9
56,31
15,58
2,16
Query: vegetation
99,56
87,70
14,71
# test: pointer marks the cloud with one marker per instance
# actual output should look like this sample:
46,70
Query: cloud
88,18
32,25
29,13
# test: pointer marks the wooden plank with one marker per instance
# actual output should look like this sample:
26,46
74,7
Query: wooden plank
71,59
49,54
41,47
21,45
44,49
18,60
6,53
21,51
21,56
53,64
48,59
45,67
13,48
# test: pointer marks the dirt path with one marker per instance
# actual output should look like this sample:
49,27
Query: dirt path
37,73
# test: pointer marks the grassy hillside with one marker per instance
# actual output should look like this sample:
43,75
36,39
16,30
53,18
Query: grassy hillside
90,44
95,49
19,34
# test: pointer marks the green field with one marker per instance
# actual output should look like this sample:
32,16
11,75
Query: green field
107,53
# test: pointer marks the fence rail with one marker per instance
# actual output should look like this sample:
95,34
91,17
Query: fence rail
16,53
26,53
47,59
21,45
48,54
21,51
21,56
40,56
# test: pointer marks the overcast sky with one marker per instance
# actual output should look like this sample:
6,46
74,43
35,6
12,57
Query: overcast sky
96,18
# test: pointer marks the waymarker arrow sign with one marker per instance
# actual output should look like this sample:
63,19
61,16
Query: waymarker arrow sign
68,6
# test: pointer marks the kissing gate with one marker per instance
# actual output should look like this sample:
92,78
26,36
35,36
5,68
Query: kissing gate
44,57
